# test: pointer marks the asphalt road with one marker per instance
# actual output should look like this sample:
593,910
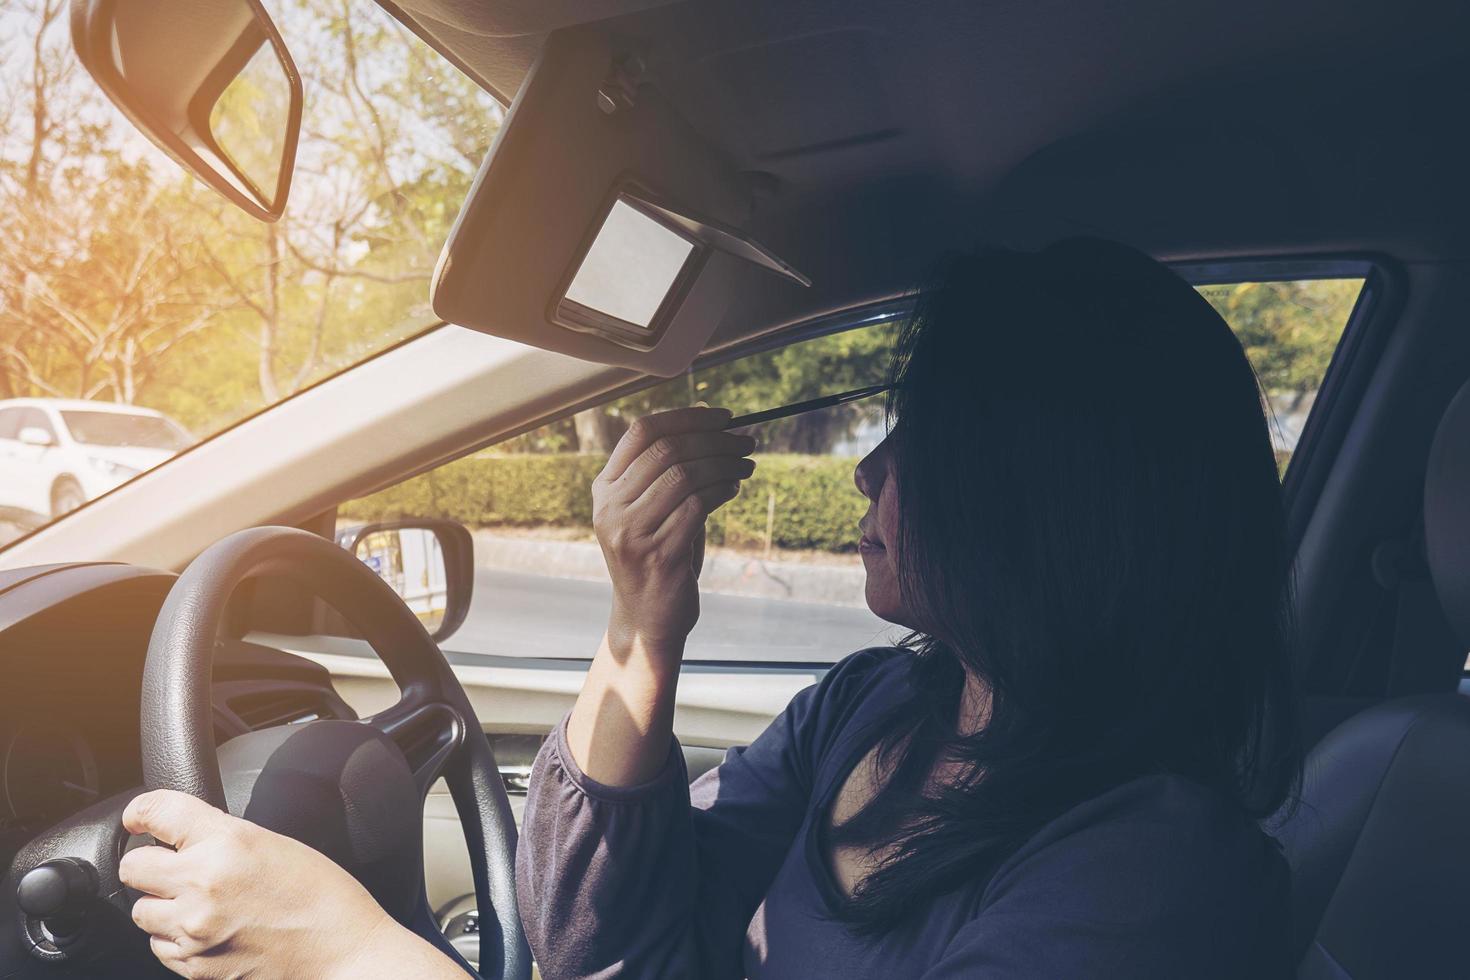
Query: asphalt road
536,616
520,615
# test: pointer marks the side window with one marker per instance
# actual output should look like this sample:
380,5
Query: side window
9,422
782,581
34,418
1290,330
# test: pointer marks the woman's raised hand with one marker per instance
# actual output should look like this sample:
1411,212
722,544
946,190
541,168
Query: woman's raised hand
649,505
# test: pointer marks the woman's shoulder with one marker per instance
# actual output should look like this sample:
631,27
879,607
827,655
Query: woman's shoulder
848,698
864,684
857,671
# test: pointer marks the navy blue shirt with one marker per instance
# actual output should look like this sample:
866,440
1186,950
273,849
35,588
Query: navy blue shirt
1159,877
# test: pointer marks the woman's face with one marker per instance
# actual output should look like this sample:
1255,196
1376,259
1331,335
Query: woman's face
875,478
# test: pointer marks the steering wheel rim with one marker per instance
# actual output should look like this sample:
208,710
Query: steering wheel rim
428,724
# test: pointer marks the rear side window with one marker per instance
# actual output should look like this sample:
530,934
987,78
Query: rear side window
1290,331
782,582
9,423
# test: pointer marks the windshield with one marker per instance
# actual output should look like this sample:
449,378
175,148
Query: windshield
122,429
124,280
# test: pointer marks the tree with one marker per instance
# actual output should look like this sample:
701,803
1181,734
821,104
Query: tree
1289,329
115,301
372,201
95,294
123,278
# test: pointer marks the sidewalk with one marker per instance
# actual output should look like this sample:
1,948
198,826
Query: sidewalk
838,583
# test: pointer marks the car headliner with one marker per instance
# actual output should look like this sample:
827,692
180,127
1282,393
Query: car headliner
887,132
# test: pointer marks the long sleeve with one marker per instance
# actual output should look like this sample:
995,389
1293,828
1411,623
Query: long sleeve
661,880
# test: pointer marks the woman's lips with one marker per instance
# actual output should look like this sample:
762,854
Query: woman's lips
867,545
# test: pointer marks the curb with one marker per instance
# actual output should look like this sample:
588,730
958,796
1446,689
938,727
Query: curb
725,573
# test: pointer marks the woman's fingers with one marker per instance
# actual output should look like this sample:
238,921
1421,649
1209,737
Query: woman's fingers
668,451
662,461
678,482
172,817
168,953
154,870
688,517
237,905
157,917
645,431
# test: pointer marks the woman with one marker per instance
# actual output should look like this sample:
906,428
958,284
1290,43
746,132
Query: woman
1077,513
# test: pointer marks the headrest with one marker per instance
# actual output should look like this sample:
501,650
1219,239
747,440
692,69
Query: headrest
1447,513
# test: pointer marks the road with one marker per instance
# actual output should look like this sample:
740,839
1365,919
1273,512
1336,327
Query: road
521,615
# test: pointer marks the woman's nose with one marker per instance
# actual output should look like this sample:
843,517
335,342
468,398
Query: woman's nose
863,478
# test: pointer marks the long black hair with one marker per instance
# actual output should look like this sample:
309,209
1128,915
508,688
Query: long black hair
1090,524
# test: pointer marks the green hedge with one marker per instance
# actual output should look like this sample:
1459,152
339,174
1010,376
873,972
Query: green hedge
815,503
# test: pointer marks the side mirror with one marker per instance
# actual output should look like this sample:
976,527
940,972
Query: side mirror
429,563
209,81
34,435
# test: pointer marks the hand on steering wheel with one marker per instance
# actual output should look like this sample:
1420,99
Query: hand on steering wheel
233,899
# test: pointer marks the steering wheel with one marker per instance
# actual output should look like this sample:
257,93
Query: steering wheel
354,790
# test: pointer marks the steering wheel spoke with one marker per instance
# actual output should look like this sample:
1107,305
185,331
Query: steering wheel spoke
428,735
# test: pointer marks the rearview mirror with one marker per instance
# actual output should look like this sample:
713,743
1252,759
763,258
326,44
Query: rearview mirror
428,563
209,81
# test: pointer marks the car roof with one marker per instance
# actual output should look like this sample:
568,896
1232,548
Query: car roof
881,134
78,404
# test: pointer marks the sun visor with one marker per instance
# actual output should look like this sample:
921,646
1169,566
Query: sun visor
600,224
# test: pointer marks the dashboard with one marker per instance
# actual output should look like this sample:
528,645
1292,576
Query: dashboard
73,640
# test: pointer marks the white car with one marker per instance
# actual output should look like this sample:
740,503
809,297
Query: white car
56,454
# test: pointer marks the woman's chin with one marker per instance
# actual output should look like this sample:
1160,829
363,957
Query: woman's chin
880,592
